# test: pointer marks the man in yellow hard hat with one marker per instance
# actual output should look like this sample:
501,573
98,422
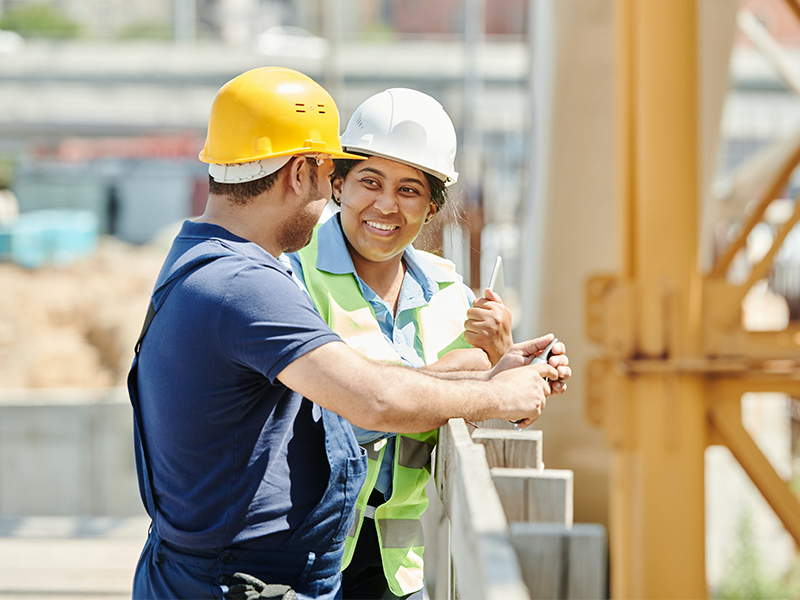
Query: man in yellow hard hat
245,464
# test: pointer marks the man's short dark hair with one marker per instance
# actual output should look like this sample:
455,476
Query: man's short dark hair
439,194
242,193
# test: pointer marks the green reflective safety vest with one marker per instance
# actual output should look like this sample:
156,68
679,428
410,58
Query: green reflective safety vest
440,327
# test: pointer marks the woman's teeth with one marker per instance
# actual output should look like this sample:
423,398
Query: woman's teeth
381,226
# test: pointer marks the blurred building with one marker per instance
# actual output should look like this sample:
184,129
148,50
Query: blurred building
777,18
503,17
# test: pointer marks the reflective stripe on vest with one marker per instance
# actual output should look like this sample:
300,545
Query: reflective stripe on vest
440,326
414,454
400,533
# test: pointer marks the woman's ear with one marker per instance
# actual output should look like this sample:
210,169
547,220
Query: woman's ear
337,183
431,212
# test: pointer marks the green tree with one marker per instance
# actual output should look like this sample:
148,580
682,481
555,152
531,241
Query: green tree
6,172
744,577
145,31
39,20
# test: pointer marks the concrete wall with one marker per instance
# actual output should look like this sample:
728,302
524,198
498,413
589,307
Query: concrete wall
67,452
570,230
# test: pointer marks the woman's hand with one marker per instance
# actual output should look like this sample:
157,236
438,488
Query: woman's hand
488,326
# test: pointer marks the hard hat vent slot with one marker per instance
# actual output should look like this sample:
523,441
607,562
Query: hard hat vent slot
360,123
301,108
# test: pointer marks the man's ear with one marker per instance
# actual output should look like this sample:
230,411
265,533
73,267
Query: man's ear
296,171
337,183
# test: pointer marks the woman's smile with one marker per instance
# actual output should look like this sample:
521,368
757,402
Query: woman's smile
382,226
384,207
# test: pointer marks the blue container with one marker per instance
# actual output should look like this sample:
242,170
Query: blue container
76,237
5,242
59,237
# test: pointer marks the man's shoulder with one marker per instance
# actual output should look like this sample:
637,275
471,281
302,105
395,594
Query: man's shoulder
225,254
215,269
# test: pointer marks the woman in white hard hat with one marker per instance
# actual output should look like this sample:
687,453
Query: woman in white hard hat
395,303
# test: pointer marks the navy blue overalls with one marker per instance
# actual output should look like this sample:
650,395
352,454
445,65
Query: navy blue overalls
168,570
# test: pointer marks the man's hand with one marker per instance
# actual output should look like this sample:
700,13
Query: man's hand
247,587
554,373
488,326
525,391
522,354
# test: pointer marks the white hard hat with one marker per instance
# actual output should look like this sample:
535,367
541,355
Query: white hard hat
407,126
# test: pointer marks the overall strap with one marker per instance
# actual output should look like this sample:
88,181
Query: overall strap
146,489
151,312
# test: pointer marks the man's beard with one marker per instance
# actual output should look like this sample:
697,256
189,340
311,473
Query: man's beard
296,234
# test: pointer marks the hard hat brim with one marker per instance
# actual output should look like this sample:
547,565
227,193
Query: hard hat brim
447,179
344,154
298,152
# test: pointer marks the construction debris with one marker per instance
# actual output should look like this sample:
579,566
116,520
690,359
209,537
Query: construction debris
75,326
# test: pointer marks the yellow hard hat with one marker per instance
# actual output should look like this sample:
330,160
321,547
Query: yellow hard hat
271,112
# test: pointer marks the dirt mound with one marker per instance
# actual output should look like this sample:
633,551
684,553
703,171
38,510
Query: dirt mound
75,326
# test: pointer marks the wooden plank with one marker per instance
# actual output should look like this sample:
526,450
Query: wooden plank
494,443
509,448
587,562
495,424
484,561
513,492
540,547
483,558
443,588
436,529
536,496
562,562
524,450
550,495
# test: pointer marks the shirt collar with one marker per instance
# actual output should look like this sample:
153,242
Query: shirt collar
334,257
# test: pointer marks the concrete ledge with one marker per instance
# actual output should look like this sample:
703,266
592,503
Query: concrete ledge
75,527
62,396
67,452
66,558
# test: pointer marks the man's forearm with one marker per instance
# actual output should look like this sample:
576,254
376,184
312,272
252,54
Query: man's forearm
385,397
453,373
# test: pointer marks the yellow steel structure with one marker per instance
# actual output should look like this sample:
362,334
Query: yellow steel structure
677,359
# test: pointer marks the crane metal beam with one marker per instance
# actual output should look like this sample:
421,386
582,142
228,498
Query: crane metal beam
677,357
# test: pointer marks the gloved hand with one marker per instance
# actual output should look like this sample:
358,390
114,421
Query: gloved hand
247,587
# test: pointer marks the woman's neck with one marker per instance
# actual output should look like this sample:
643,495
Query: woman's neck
384,278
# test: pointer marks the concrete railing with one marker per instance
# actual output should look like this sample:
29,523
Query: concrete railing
67,452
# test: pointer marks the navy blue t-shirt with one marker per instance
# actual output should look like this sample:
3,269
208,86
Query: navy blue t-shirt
234,455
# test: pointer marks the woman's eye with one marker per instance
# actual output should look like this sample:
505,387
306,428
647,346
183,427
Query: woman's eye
370,182
409,190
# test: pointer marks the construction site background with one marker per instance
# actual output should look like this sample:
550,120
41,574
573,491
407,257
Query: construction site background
109,122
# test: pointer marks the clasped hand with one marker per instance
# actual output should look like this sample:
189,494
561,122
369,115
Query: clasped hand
553,374
488,326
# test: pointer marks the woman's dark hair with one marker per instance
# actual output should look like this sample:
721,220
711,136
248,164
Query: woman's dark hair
439,195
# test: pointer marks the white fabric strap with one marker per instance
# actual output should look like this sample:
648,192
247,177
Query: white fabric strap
249,171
